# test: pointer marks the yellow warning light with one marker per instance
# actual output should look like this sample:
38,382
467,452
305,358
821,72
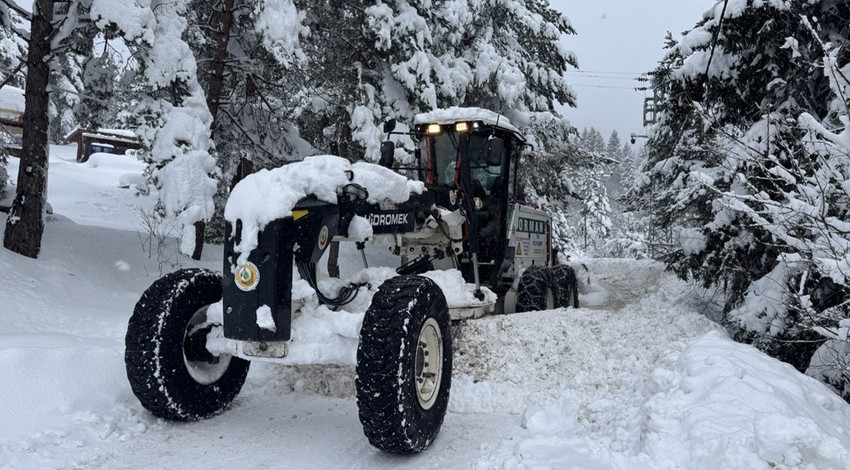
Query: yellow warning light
462,127
433,129
297,214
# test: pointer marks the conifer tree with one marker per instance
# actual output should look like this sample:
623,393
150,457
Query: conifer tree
373,60
24,226
244,49
744,171
173,135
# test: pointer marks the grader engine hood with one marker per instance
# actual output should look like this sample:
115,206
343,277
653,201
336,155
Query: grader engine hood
291,214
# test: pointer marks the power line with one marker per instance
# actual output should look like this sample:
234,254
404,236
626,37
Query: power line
605,86
637,79
602,71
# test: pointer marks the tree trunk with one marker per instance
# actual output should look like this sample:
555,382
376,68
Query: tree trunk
25,224
200,226
217,78
214,98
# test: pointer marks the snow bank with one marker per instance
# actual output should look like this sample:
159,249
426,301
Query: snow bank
718,404
726,405
114,162
271,194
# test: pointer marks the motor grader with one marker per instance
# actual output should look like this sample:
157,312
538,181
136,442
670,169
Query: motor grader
194,332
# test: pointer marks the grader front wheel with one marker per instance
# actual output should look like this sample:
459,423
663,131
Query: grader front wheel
404,365
168,366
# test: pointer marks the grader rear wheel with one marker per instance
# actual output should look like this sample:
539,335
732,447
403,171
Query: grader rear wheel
565,286
535,291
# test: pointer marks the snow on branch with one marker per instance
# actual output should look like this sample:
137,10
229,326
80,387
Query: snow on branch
176,136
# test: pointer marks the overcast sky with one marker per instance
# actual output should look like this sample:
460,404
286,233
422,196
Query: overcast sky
616,41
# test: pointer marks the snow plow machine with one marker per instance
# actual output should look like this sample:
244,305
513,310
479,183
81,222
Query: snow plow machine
459,209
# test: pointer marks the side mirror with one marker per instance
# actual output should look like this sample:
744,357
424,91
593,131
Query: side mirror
389,126
387,154
495,151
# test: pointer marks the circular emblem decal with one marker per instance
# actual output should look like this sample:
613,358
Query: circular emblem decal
247,276
323,238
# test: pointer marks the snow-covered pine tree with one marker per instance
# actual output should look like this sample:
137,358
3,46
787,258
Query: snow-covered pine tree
592,141
373,60
617,166
83,80
244,50
734,175
173,119
595,221
614,146
97,70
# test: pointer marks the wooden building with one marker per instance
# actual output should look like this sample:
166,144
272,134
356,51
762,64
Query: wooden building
115,141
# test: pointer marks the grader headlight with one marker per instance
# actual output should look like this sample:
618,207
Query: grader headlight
433,129
462,127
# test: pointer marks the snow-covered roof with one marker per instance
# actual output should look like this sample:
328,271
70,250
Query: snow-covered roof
457,114
98,135
115,135
121,132
12,99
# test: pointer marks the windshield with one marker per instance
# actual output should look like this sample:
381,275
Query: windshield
443,154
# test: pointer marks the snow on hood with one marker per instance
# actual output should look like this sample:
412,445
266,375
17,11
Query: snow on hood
269,195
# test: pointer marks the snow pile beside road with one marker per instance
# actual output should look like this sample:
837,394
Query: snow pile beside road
726,405
718,404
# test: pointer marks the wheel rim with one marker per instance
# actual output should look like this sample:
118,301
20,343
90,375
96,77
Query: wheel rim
203,366
429,363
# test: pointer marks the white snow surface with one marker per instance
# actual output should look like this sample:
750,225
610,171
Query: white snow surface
638,378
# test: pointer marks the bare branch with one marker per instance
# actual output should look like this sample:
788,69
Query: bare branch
12,75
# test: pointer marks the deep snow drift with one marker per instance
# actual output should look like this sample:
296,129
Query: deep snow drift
636,378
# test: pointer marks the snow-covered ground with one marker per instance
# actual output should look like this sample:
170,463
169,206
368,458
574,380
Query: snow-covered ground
637,378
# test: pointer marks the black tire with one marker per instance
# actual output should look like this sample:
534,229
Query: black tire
170,370
401,410
535,290
565,286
